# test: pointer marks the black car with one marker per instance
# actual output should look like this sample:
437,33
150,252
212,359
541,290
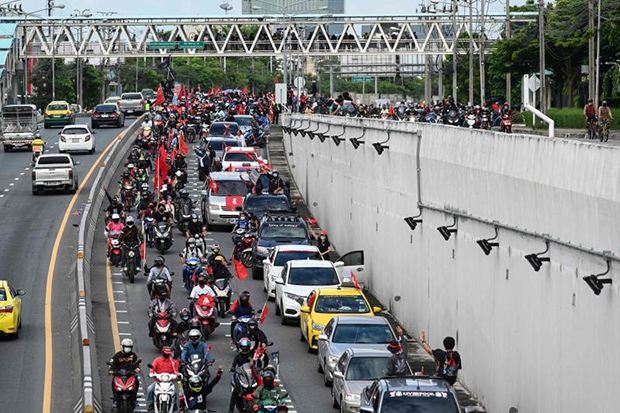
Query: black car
107,114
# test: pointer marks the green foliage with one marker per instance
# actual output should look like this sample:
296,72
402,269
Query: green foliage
569,118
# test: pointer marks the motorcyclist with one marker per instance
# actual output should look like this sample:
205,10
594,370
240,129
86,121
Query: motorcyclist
276,184
256,335
38,146
185,199
163,364
159,271
243,223
113,230
184,324
115,207
161,305
215,252
269,393
195,346
243,357
162,215
191,251
196,227
125,359
179,162
131,237
202,288
240,308
197,391
219,268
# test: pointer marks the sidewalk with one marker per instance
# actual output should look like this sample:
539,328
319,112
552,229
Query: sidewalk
418,358
579,134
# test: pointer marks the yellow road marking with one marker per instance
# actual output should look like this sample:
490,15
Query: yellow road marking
49,354
113,319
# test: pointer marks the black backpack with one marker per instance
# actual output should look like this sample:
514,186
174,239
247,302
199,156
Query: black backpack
450,367
400,365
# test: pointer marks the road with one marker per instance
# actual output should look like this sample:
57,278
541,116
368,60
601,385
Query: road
29,227
298,369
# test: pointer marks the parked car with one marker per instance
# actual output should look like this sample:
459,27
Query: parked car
279,256
132,103
350,331
356,369
107,114
58,113
216,197
76,138
11,309
54,172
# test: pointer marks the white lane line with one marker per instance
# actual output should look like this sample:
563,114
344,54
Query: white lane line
17,179
2,196
121,311
225,324
22,173
117,282
6,190
27,169
119,292
120,301
124,334
11,184
122,322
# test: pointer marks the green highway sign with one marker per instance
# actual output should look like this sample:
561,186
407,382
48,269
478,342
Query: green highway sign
192,45
360,79
161,45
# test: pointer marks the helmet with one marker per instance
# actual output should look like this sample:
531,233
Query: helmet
127,345
130,221
194,324
240,231
130,166
193,262
115,200
145,186
253,325
166,350
195,217
159,258
191,241
604,103
184,193
219,258
195,384
194,335
116,217
184,315
590,100
178,173
244,298
245,346
215,248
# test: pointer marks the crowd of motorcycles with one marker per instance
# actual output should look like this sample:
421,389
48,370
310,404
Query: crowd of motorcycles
153,188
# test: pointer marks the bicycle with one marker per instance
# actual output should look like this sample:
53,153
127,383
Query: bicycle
591,128
604,130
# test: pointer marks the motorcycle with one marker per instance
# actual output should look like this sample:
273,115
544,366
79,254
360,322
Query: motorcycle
191,272
116,252
179,342
452,118
197,366
240,330
129,197
484,121
471,121
163,242
162,336
125,385
222,290
184,216
164,395
160,288
506,124
244,249
131,267
203,311
148,224
244,384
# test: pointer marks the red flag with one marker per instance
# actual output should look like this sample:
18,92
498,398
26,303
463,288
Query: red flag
244,90
212,91
217,90
354,279
311,221
142,250
159,99
232,202
277,79
240,270
174,153
213,186
182,145
264,313
183,92
391,110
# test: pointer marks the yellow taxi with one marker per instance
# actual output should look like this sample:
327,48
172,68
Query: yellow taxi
323,304
10,309
112,100
58,112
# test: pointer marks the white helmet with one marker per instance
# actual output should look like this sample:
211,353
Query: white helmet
127,345
116,217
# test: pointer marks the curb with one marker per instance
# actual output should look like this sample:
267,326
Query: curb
89,400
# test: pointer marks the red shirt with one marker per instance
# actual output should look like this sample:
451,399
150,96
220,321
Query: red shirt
162,365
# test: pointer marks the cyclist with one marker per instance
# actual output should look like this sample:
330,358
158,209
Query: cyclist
605,117
589,111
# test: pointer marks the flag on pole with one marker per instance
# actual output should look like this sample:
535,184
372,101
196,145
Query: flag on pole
159,99
244,90
240,270
182,146
263,315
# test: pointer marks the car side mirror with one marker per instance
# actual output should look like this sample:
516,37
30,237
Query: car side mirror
305,309
21,292
78,163
338,264
60,133
377,310
338,375
323,337
280,281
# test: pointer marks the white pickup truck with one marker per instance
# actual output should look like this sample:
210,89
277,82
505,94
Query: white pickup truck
54,172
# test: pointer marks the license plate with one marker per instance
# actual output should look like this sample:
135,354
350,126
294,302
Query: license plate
75,140
233,220
50,183
105,116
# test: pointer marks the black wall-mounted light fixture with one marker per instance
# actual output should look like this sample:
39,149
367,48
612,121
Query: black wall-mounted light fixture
414,221
321,137
487,246
337,138
356,142
536,261
312,133
595,283
380,147
447,231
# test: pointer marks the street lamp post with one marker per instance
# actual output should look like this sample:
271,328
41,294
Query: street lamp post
78,61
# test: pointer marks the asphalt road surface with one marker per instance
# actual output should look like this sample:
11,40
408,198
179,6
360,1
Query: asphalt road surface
29,226
298,369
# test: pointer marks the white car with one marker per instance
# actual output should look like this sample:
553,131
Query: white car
281,254
297,280
76,138
240,159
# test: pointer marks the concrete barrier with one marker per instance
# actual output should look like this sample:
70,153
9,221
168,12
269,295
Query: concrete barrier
527,338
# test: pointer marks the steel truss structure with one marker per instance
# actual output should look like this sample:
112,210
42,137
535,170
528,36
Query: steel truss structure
420,34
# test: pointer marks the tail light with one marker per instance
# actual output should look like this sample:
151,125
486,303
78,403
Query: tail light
34,175
87,138
6,309
95,115
114,114
63,139
70,174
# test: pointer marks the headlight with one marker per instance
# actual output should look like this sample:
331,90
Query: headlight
119,388
352,398
317,326
262,251
297,298
215,208
131,253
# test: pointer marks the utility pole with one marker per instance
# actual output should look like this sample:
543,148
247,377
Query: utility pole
428,86
331,81
598,56
541,47
482,41
591,50
454,65
508,77
471,52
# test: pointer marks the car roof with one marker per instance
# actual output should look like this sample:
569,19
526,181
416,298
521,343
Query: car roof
58,102
424,383
241,149
243,116
220,138
266,195
296,248
229,176
369,351
340,291
359,319
224,123
114,98
79,126
310,264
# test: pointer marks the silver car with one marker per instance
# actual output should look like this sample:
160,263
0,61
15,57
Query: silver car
244,122
356,369
222,194
343,332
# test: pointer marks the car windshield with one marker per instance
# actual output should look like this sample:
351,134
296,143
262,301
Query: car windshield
218,144
341,304
57,107
240,157
367,368
285,256
283,231
264,203
419,402
105,108
49,160
230,188
362,334
75,131
313,276
243,121
131,96
223,129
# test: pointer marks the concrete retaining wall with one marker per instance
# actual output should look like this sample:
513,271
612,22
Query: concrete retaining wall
531,340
